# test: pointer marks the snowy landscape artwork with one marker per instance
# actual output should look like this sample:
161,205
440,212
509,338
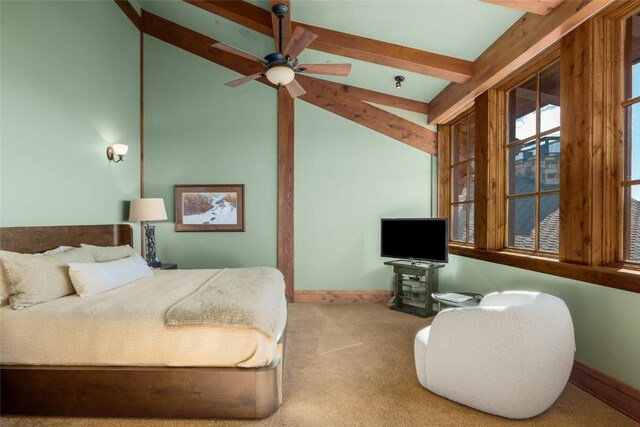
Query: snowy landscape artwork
209,207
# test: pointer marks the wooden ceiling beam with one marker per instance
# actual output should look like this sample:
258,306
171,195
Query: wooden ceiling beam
386,99
528,37
348,45
130,12
329,96
286,24
539,7
326,95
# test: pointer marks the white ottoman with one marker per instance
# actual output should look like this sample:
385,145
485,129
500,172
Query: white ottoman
510,356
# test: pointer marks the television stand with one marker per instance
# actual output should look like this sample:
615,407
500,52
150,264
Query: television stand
413,285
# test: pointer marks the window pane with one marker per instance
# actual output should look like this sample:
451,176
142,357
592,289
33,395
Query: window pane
632,223
459,183
459,142
549,216
471,221
472,136
472,179
522,111
632,151
550,98
522,168
459,222
634,90
550,162
520,228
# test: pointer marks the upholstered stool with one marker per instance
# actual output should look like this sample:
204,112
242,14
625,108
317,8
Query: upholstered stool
510,356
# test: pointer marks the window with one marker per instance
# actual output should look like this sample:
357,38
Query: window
462,179
533,163
631,152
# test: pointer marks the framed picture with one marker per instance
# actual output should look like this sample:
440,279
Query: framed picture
209,207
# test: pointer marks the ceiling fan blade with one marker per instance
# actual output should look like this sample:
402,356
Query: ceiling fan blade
328,69
299,40
243,80
294,88
238,52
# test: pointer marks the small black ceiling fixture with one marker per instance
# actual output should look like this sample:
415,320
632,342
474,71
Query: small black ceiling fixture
399,80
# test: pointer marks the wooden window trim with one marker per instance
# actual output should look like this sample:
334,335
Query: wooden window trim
467,161
603,266
618,276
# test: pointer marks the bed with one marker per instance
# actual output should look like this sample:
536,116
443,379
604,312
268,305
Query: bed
143,381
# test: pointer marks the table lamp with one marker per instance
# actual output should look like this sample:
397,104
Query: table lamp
146,210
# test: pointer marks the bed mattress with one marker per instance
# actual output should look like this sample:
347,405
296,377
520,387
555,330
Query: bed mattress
126,327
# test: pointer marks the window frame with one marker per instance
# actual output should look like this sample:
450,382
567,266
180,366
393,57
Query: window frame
602,264
627,105
468,202
537,136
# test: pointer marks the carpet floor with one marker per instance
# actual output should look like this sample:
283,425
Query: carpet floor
352,365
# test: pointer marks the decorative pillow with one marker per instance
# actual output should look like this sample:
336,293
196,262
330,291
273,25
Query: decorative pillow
34,279
91,279
58,250
4,289
4,284
110,253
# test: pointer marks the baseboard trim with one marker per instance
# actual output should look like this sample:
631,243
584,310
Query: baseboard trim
613,392
381,297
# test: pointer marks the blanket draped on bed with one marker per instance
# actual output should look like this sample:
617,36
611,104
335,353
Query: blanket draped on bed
245,298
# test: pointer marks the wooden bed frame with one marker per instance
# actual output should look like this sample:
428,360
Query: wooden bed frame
129,391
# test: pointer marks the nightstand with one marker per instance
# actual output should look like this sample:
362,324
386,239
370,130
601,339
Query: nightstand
166,266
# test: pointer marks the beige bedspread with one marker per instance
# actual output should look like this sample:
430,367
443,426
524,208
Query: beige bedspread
243,298
126,327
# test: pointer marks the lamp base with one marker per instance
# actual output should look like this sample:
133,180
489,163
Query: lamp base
150,246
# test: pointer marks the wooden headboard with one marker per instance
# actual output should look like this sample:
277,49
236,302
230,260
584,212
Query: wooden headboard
39,239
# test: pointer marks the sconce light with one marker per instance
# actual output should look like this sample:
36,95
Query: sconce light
399,80
117,150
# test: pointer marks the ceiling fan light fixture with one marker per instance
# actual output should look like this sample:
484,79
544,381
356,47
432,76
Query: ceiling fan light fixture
280,75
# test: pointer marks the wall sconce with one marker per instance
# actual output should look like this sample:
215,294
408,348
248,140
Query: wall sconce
399,80
117,150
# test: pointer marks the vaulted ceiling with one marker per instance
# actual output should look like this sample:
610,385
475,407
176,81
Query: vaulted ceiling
460,29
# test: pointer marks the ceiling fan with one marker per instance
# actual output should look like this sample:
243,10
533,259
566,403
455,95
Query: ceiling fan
282,66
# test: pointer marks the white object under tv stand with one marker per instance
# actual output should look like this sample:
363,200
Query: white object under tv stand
413,285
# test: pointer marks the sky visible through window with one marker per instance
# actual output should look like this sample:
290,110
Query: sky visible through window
635,135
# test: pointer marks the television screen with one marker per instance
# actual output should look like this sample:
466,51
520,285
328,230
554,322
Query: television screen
424,239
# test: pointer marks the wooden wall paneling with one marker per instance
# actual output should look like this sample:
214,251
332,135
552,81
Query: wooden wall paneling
326,95
588,161
349,45
285,190
527,38
131,12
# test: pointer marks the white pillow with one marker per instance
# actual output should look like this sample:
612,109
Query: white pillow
93,278
109,253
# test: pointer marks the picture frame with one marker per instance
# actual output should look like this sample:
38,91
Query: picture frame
209,207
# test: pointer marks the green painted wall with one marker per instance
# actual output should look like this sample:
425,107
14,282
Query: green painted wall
347,177
69,88
198,131
606,321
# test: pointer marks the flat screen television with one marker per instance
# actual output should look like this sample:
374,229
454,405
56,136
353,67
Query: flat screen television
415,239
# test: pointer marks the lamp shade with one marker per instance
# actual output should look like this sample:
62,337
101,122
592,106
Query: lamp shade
147,210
